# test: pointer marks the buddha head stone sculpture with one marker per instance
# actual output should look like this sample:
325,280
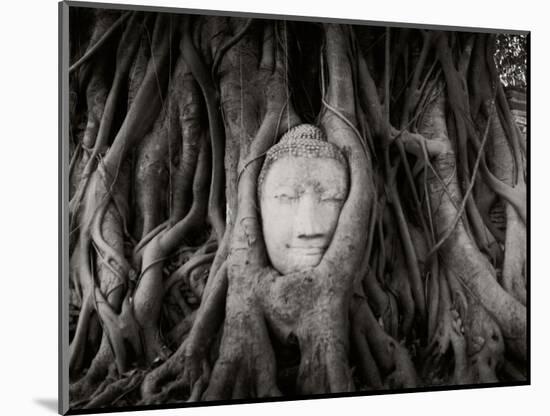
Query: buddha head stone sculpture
301,188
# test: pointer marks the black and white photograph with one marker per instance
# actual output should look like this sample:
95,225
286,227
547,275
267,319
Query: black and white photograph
260,207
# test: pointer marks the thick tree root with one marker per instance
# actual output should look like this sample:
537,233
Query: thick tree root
113,393
168,371
462,258
82,390
395,367
513,273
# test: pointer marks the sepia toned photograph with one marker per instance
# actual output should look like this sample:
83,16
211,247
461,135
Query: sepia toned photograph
268,208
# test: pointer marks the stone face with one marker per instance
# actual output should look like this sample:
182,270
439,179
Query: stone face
300,201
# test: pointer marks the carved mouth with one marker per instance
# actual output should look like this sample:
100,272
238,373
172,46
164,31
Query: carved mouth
309,251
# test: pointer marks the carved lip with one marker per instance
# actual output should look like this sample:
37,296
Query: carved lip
308,251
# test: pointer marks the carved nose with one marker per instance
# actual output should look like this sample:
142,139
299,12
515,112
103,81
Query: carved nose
307,226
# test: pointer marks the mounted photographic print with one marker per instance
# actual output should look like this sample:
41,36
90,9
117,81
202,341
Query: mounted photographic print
266,208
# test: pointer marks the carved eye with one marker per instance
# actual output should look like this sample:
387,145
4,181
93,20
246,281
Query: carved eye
332,198
286,197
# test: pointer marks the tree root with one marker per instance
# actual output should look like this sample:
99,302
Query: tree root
179,332
200,73
109,257
460,254
396,369
179,121
121,329
81,390
513,276
183,273
399,285
97,45
173,370
324,363
209,317
449,335
485,344
116,390
127,47
77,348
246,363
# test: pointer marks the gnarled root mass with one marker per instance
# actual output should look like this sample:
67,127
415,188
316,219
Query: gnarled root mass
173,297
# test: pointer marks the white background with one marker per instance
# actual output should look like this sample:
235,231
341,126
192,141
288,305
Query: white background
29,186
